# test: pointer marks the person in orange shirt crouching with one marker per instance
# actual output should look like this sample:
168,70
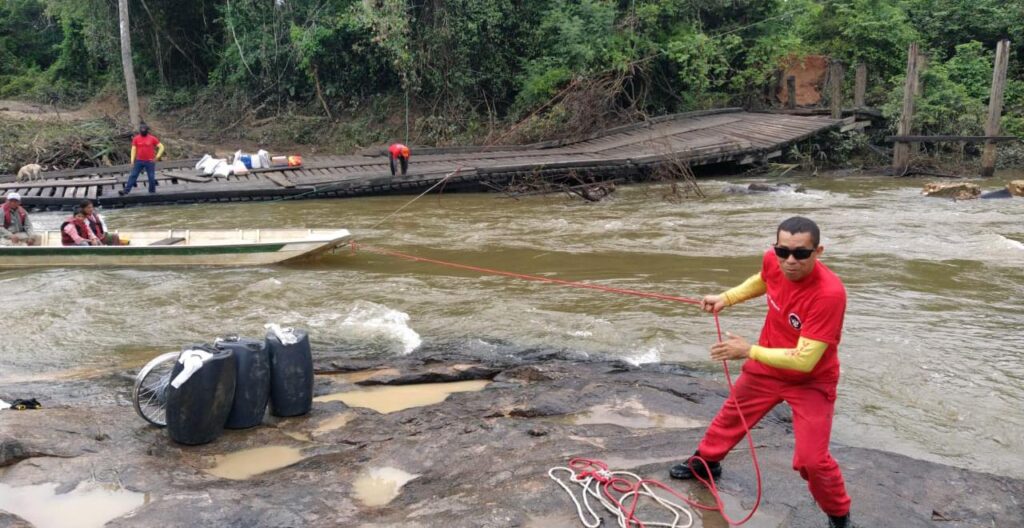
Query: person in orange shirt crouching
399,154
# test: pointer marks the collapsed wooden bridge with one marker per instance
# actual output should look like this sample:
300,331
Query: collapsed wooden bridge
631,152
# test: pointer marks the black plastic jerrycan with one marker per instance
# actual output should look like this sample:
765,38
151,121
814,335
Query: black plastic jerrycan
291,373
252,380
198,408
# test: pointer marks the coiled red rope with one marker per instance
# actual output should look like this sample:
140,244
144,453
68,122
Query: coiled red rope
591,467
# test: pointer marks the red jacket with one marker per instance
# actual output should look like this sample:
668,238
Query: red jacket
80,227
96,224
7,215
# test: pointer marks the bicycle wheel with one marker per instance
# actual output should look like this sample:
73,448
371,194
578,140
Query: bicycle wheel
149,396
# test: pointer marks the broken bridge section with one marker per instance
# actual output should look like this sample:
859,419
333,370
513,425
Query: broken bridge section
632,152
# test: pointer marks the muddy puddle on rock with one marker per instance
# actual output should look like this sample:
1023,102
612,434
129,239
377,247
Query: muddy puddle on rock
363,375
332,423
392,398
248,463
630,413
89,505
379,486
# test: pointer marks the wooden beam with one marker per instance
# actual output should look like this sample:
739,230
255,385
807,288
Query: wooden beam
860,86
791,92
995,107
922,65
901,153
836,74
958,139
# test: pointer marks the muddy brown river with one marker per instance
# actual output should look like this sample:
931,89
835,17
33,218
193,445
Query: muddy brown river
932,353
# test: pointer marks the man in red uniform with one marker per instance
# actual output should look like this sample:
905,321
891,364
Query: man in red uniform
146,150
398,152
795,360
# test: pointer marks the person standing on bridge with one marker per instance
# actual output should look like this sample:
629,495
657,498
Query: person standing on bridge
146,151
795,360
399,153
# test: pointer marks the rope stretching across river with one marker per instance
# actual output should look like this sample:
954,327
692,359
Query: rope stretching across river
596,468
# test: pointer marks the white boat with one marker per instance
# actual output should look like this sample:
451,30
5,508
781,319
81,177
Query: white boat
181,247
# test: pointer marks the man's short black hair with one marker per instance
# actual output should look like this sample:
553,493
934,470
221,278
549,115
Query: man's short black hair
799,224
84,203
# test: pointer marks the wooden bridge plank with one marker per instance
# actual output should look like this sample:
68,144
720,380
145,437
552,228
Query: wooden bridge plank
279,178
55,183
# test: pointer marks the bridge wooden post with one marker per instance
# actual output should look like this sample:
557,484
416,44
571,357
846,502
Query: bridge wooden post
922,65
860,86
791,92
836,74
995,107
901,151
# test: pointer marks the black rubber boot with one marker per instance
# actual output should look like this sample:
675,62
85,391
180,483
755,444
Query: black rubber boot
683,471
840,522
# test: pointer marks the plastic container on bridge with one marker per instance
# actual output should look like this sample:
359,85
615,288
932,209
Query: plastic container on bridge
291,372
200,394
252,381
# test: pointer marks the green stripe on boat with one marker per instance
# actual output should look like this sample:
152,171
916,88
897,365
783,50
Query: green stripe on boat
139,250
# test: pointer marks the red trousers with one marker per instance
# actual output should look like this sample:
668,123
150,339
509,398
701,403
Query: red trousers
813,405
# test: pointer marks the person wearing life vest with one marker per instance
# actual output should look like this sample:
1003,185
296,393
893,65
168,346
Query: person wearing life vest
97,225
795,360
398,154
146,151
75,231
17,229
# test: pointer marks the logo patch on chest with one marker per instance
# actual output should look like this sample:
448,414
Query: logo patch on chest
794,321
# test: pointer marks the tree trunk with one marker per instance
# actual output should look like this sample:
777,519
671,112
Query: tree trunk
126,63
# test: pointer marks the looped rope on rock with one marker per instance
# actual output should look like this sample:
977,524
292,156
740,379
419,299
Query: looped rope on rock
600,483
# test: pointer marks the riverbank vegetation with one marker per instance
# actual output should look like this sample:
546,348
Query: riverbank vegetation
342,74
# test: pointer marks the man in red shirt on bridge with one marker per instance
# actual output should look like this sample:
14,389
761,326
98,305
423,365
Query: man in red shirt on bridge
795,360
146,150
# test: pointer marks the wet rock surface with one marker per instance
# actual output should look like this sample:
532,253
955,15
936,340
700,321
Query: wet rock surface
1016,187
9,520
477,459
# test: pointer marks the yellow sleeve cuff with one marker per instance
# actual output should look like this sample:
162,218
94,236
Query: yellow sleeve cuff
752,287
803,358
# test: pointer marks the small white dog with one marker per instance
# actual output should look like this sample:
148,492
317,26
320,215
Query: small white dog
29,172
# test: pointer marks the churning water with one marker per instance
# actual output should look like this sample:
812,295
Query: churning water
932,354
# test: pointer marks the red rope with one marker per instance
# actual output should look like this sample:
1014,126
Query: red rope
591,467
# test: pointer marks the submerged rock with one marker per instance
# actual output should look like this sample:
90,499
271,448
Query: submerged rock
9,520
758,188
956,191
480,458
992,195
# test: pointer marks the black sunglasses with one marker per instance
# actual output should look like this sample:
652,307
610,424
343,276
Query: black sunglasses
798,253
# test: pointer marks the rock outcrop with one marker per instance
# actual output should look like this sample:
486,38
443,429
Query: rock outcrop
1016,188
476,459
956,191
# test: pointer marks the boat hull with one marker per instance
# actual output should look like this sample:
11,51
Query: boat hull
237,254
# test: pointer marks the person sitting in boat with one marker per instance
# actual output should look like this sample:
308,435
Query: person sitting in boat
17,229
97,225
399,153
75,231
